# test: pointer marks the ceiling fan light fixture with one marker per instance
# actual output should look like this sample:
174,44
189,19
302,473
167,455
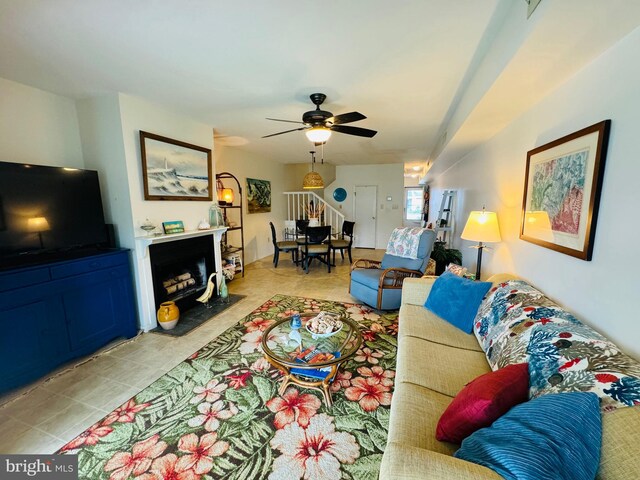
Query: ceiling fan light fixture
318,134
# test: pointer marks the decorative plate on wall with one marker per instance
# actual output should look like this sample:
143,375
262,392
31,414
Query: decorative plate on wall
339,194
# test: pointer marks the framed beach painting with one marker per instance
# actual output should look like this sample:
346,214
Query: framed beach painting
258,195
174,170
562,187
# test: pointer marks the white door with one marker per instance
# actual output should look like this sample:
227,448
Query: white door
365,203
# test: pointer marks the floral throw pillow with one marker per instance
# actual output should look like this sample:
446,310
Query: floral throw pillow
456,269
516,323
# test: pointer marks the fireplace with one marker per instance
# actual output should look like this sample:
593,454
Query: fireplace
180,270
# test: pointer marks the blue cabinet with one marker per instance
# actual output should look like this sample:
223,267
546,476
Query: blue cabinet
50,314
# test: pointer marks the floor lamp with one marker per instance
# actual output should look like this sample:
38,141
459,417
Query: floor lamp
481,227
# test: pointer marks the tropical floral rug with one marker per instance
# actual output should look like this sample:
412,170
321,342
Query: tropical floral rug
218,413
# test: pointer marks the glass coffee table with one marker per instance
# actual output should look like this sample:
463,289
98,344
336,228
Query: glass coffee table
327,354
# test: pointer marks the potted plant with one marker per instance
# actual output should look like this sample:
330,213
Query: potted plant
443,256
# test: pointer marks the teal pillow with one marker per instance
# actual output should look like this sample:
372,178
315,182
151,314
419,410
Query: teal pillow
553,437
456,299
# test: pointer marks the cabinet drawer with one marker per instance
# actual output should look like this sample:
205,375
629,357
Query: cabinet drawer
88,265
24,278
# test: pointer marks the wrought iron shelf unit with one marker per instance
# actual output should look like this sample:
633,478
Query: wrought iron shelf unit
228,249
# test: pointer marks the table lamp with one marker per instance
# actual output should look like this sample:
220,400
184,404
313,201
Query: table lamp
38,225
481,227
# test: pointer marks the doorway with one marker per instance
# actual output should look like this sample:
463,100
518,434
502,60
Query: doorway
365,202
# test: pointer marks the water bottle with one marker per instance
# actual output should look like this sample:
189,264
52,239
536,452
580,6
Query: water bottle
294,334
296,321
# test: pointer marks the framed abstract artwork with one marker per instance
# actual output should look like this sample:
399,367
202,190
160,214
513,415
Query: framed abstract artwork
562,185
258,195
174,170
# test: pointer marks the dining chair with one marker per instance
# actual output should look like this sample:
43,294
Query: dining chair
301,226
342,243
282,247
314,246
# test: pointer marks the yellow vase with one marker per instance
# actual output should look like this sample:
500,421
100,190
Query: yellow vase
168,315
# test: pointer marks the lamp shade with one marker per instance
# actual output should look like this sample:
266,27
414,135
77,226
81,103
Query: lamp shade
482,226
312,180
37,224
227,196
318,134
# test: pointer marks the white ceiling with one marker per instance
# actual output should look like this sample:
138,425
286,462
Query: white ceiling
434,77
233,63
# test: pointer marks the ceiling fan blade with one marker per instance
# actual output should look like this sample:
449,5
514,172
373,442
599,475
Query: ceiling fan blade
360,132
346,118
286,131
288,121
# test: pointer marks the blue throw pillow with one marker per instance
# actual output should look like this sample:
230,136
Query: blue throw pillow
553,437
456,299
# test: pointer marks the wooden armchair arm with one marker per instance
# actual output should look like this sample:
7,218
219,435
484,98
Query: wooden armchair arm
365,263
397,276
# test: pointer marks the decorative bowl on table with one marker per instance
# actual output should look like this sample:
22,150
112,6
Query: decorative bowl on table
324,325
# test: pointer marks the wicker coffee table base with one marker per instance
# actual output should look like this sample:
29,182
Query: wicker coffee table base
292,378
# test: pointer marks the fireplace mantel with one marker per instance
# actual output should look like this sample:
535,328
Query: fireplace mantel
146,240
147,309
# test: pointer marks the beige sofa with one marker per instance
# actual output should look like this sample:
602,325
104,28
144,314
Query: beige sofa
435,361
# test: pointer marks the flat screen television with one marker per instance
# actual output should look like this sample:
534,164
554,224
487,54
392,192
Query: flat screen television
48,213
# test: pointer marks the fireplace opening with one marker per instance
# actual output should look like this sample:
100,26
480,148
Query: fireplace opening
180,270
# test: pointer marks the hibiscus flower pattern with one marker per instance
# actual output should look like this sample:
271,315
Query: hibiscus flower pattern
209,393
136,462
219,414
314,452
201,451
367,355
293,407
211,414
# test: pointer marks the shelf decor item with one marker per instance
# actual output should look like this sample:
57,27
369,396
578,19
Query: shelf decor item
148,227
562,187
227,196
216,217
168,315
173,227
175,170
258,195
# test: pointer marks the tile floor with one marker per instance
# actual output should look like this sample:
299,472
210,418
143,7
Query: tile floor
57,409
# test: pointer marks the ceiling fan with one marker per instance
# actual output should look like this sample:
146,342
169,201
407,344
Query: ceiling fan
318,124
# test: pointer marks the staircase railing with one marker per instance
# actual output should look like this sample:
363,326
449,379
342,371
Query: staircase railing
296,209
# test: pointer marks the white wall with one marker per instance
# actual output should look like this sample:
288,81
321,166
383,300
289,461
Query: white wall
257,233
103,150
38,127
604,291
390,182
138,114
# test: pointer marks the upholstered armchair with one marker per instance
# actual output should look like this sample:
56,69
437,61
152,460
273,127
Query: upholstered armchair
379,283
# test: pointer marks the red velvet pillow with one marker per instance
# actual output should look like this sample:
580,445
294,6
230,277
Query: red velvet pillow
482,401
